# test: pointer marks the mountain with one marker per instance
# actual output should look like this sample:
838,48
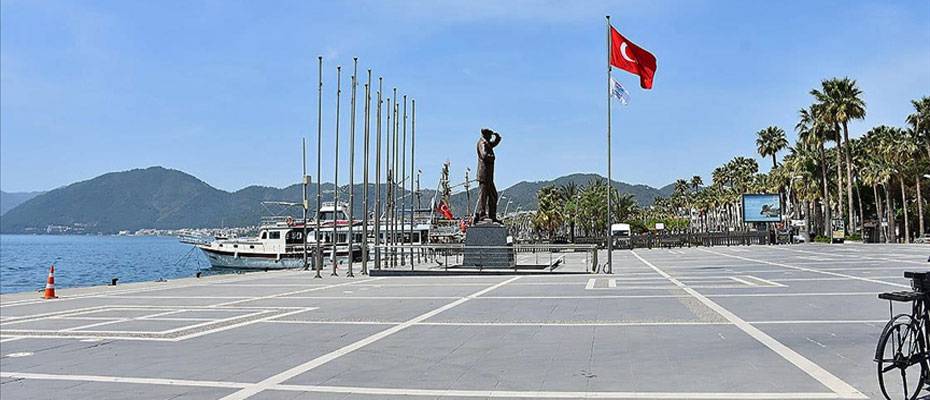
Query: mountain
164,198
9,201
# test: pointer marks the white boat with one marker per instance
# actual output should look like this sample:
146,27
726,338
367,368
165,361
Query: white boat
280,242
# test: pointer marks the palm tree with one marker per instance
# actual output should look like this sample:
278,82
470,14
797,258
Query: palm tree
876,172
898,149
569,193
842,100
696,182
920,120
549,215
813,131
919,123
770,141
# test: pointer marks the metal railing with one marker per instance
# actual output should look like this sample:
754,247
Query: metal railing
445,257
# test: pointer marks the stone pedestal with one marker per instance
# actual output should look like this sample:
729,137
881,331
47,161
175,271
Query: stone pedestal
484,234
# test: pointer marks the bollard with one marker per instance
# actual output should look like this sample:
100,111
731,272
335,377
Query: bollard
113,281
199,273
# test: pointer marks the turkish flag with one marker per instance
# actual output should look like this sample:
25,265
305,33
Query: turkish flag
629,57
444,210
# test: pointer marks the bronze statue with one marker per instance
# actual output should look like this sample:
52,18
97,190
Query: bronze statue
487,192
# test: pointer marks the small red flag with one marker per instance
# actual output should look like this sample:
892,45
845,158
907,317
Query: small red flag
444,210
629,57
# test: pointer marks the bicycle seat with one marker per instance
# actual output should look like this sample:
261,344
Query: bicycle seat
904,295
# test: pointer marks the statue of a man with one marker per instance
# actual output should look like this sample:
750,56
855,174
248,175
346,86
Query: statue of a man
487,192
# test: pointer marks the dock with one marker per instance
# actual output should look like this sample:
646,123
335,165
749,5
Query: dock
741,322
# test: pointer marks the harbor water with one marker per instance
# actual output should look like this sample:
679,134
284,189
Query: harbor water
92,260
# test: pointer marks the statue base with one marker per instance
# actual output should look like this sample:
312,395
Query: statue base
486,234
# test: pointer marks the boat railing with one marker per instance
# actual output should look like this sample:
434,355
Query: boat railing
278,219
194,240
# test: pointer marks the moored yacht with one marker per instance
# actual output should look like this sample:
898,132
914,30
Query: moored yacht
280,242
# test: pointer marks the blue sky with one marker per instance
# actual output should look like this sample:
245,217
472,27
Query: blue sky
225,90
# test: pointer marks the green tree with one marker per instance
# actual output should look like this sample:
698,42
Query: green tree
842,101
549,216
569,193
814,132
770,141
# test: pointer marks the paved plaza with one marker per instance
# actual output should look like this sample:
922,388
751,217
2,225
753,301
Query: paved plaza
751,322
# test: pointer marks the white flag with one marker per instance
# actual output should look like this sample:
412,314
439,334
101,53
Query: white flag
619,92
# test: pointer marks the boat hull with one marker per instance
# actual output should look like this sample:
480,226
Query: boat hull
220,259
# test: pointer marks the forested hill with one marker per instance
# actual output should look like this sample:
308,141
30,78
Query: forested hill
162,198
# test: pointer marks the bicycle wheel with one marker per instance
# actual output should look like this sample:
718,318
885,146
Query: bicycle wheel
903,362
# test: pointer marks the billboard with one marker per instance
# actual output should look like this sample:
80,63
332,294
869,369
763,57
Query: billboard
761,208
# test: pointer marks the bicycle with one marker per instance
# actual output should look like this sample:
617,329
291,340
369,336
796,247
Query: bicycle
902,355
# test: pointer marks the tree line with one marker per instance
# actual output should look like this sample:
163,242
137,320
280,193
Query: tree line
870,183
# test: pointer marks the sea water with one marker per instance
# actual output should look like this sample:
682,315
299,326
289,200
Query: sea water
92,260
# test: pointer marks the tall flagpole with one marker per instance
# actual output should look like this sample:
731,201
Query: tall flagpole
318,257
389,185
306,204
610,242
336,172
394,189
351,238
403,186
413,142
365,175
378,180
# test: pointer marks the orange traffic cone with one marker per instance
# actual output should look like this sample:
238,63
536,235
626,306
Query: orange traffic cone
50,285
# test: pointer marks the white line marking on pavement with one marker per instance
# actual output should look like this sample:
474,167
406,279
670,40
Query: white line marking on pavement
808,269
117,379
590,284
855,256
313,289
430,392
241,324
316,362
766,281
793,294
515,394
293,321
374,297
743,281
106,291
828,322
829,380
612,283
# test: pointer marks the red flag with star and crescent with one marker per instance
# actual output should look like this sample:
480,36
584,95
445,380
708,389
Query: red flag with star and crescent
629,57
443,209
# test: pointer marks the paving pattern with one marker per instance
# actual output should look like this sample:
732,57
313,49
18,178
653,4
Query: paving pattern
757,322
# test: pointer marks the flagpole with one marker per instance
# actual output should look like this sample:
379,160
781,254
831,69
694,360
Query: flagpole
318,257
413,142
378,180
403,186
351,238
336,172
306,204
389,178
365,175
610,243
394,187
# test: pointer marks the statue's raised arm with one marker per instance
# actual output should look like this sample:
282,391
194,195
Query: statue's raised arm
496,140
